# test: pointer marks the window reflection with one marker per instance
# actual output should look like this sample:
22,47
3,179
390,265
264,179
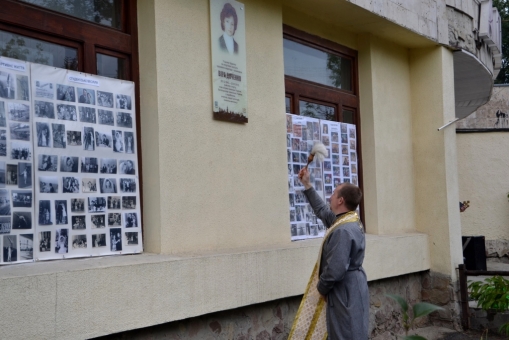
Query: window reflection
311,64
348,117
37,51
319,111
111,67
288,105
104,12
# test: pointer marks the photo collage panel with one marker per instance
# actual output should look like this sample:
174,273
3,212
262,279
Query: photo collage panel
16,158
338,167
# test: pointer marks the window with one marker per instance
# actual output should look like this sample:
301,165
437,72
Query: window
320,77
92,36
321,82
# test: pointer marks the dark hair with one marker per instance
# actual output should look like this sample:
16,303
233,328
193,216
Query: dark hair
351,194
228,11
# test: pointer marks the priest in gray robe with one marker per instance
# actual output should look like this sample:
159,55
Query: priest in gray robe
342,280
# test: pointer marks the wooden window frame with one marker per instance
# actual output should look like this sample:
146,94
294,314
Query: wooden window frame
88,37
300,89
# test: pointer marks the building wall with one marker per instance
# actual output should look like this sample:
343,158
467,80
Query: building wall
215,199
483,180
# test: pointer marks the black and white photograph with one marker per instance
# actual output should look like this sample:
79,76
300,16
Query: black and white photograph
70,185
21,199
44,90
118,141
43,135
123,102
59,137
113,202
79,241
61,241
105,117
7,85
131,238
129,142
5,225
78,222
98,221
26,247
10,249
66,93
12,174
89,165
73,138
89,185
3,142
88,138
21,220
45,212
86,96
22,91
20,131
24,175
114,219
96,204
116,239
3,120
87,114
69,164
47,163
45,241
19,112
44,109
98,240
129,202
67,112
127,185
77,205
61,212
124,119
108,185
21,151
2,174
105,99
131,220
103,140
108,166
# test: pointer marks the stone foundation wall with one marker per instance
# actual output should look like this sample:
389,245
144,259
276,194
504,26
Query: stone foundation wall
273,320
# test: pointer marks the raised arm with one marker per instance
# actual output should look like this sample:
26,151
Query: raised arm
321,209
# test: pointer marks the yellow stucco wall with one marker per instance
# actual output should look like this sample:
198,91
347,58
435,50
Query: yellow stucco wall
483,165
220,184
435,162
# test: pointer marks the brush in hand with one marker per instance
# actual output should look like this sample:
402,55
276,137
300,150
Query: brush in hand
319,152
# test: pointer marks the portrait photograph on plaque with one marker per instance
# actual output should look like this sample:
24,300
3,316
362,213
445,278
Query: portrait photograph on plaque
228,44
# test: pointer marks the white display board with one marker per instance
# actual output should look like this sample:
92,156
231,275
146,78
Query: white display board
16,158
339,167
69,183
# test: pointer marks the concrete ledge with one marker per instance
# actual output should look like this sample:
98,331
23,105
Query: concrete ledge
76,299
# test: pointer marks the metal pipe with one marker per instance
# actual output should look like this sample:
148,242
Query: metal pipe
446,125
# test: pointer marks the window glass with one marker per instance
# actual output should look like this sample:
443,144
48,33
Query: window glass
348,117
111,67
104,12
317,110
288,105
37,51
311,64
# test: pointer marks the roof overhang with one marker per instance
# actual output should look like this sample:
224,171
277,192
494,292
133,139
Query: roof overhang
473,83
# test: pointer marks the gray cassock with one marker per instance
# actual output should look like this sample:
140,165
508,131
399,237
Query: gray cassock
341,278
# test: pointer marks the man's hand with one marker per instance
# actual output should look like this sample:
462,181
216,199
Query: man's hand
304,178
323,297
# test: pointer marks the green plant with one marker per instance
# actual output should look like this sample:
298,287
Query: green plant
419,309
492,294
